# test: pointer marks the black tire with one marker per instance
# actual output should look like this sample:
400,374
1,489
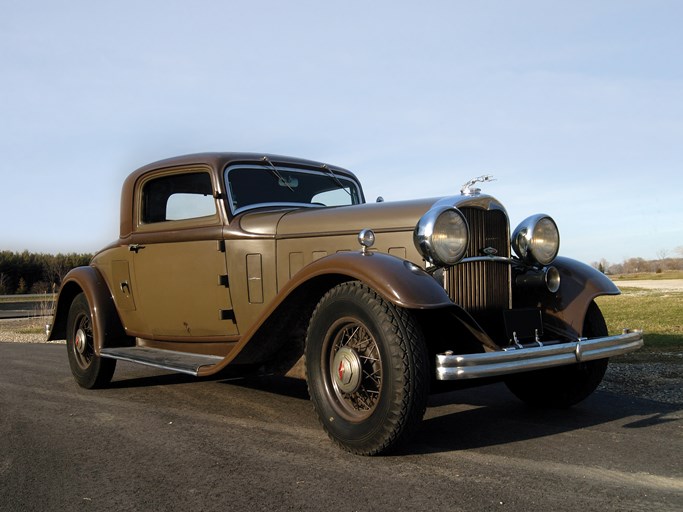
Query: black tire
367,369
564,386
89,370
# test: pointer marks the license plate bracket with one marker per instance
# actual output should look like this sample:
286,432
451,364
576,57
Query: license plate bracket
523,324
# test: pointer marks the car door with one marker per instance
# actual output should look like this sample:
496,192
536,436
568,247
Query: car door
180,273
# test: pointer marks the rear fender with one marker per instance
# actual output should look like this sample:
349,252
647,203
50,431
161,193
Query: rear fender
107,327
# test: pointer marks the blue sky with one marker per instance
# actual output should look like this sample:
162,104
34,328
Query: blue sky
575,107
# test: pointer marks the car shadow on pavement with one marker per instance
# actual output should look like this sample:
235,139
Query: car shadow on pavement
136,376
465,419
491,415
284,386
131,375
156,380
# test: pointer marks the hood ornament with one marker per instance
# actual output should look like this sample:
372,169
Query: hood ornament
468,188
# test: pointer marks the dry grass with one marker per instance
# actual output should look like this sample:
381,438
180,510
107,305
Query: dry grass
43,311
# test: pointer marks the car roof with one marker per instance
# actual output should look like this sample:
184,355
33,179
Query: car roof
215,160
220,160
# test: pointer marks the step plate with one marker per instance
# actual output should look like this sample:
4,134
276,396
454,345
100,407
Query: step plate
181,362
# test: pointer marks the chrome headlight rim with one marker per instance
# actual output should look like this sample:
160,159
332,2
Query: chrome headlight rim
434,244
531,243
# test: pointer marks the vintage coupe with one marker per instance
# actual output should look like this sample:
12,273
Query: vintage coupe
276,264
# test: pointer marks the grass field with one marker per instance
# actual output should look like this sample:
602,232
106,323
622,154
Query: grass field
658,313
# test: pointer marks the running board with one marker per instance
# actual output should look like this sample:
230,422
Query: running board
181,362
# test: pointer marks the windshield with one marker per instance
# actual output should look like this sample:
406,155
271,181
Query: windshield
256,186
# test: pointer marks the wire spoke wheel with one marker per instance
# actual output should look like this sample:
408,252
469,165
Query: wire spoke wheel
355,367
83,347
89,369
366,368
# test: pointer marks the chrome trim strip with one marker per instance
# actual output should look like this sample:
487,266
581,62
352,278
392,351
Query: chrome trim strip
483,201
515,360
494,259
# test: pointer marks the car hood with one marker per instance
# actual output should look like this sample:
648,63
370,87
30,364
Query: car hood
380,217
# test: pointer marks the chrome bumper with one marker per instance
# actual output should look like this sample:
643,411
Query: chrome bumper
522,359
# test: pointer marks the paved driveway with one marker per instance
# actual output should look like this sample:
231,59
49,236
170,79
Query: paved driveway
159,441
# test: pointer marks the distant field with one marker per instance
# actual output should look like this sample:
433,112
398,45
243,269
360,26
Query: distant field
658,313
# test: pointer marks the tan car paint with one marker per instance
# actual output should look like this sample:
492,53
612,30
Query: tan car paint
206,285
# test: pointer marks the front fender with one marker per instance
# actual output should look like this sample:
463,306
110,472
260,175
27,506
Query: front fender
580,285
399,281
396,280
107,327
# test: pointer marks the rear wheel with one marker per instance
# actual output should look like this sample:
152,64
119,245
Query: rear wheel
89,369
367,369
564,386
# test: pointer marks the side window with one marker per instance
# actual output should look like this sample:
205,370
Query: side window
177,197
336,197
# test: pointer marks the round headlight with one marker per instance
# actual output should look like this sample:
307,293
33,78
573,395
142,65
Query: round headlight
441,236
537,240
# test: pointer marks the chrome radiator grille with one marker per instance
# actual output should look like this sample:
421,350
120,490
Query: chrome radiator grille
482,286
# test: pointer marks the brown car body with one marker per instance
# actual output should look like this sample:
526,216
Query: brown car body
212,268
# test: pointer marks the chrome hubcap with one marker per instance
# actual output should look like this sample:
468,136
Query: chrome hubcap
347,370
81,341
354,368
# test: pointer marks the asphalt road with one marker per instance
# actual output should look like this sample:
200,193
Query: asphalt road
159,441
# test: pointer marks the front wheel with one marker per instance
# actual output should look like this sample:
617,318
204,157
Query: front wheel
367,369
89,369
564,386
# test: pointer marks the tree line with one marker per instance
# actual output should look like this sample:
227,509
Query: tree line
636,265
664,263
27,272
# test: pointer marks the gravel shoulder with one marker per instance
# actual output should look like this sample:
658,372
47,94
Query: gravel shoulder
25,330
656,376
660,379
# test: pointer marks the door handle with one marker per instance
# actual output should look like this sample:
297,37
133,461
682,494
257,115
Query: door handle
135,248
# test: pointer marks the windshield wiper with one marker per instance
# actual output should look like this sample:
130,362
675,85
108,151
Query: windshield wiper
334,177
277,174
